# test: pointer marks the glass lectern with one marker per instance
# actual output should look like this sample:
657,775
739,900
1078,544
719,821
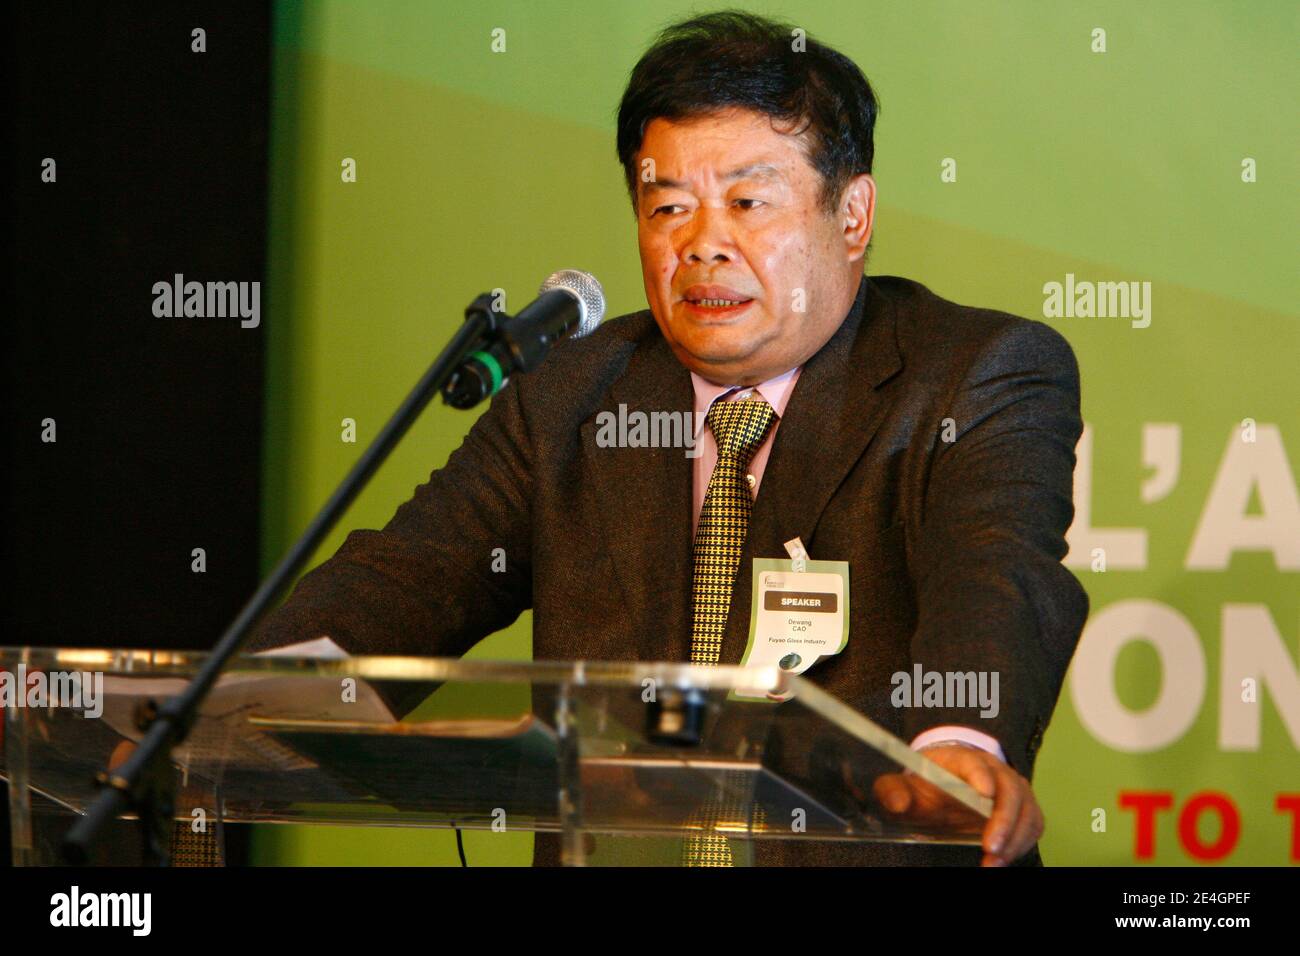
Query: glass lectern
624,761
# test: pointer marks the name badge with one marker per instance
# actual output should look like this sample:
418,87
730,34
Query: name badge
797,617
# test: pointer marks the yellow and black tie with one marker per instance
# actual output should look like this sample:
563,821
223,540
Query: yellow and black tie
740,428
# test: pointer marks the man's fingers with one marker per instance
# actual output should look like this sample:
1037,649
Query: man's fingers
980,776
1007,804
1029,827
894,792
1016,822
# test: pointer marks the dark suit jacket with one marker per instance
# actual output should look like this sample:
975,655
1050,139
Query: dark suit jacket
954,547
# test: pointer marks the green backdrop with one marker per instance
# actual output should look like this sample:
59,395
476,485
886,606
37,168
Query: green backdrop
477,169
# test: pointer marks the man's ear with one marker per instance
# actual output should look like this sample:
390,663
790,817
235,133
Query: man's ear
857,214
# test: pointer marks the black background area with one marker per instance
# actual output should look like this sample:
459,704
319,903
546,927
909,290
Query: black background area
161,159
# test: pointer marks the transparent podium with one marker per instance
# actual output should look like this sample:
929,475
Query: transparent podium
625,763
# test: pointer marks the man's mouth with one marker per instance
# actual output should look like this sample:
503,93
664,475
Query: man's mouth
715,300
717,308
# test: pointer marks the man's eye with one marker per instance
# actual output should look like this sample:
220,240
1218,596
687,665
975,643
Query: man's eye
664,209
753,203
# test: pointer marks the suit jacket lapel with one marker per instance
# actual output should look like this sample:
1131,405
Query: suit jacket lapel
832,414
645,496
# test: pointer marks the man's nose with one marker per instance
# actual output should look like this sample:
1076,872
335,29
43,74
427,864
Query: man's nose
707,237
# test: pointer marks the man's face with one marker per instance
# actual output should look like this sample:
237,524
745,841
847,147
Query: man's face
734,214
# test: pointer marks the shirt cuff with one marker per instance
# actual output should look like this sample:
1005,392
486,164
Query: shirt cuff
962,735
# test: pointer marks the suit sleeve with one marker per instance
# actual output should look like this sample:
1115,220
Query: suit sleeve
992,594
431,581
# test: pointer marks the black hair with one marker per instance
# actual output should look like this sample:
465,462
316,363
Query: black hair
734,59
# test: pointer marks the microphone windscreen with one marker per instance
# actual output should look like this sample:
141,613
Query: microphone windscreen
583,287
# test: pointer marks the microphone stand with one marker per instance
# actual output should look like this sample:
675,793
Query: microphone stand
145,783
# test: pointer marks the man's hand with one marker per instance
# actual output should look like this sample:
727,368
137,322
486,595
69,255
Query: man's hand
1016,822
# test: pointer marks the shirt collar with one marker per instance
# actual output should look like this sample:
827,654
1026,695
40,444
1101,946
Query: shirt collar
775,391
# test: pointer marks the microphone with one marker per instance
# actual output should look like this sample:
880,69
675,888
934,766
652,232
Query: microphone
570,302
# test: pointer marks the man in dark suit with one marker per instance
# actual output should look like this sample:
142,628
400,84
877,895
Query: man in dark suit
928,445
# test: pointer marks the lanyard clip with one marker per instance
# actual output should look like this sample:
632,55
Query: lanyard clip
798,555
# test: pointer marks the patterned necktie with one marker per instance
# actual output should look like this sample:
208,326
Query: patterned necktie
739,428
